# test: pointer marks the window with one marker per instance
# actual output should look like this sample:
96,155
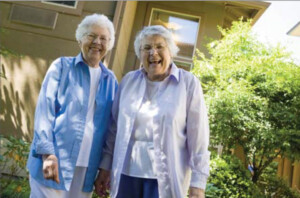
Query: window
69,4
184,29
68,7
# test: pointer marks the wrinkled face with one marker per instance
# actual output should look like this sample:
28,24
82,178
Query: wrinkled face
155,57
94,45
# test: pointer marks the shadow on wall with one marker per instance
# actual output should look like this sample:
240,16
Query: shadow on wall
24,76
19,93
12,111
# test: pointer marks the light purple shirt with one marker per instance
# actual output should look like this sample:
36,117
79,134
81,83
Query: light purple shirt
181,156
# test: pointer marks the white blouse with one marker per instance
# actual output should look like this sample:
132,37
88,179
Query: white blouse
140,153
86,144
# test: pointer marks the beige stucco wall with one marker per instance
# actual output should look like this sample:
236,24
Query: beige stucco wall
38,47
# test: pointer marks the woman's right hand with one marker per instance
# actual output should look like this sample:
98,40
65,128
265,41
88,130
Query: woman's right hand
102,183
50,167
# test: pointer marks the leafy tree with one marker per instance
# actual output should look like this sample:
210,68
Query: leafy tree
253,94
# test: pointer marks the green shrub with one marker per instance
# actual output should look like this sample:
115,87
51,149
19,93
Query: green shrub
15,187
228,178
13,160
273,186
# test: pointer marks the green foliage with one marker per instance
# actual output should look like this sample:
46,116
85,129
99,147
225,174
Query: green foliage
252,91
96,196
14,160
273,186
15,188
16,150
228,178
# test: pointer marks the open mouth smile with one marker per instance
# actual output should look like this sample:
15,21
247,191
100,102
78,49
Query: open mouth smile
155,62
95,49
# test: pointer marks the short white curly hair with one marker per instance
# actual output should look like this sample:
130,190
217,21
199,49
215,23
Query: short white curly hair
96,19
153,31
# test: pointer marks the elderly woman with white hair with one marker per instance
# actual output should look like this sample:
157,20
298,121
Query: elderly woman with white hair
157,145
72,116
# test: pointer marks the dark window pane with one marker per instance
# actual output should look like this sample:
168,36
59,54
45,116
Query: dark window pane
66,3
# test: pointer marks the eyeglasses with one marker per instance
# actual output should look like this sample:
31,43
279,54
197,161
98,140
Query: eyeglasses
149,48
92,37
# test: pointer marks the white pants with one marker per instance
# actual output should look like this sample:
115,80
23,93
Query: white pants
40,191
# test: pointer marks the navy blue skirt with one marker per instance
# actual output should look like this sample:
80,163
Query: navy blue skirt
135,187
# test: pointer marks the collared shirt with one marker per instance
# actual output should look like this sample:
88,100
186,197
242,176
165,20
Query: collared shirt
181,156
60,119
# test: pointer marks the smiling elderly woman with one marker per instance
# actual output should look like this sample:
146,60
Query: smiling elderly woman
72,116
157,145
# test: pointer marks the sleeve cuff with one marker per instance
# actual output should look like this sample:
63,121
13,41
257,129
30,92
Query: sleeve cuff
43,147
106,162
200,170
198,181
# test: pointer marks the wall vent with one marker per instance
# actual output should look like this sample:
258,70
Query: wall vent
33,16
